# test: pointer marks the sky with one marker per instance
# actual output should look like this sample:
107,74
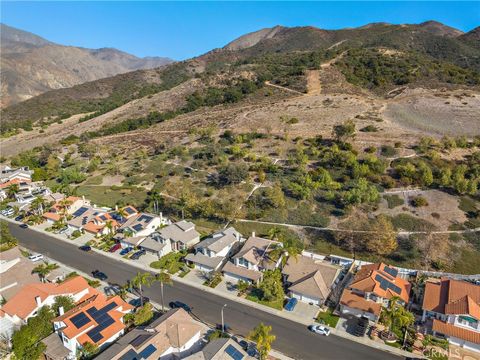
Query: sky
181,30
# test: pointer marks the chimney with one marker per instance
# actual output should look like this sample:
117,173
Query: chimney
61,310
237,235
38,300
83,198
253,233
116,207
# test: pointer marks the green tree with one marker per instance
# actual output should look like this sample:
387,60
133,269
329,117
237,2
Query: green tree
344,131
38,205
7,240
67,302
383,238
89,350
264,338
44,269
12,190
143,315
233,174
140,280
271,285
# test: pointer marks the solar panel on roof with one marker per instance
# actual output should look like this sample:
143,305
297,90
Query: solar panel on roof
95,336
139,340
391,271
80,211
145,353
129,211
80,320
145,218
234,353
395,288
137,227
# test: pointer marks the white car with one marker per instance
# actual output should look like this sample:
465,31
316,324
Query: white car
35,257
319,329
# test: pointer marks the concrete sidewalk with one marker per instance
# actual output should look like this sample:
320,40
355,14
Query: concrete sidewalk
279,313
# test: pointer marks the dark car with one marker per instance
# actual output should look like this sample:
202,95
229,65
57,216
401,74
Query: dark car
24,226
179,304
99,275
115,248
244,344
137,255
126,251
85,248
138,302
19,218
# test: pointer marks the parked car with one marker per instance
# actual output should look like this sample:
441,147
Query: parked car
138,302
35,257
244,344
115,248
24,226
179,304
63,230
85,248
19,218
138,254
99,275
319,329
8,212
126,251
290,305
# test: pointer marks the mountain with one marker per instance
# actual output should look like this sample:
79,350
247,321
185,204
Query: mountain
377,57
32,65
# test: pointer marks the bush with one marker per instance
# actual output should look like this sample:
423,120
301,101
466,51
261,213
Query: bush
419,201
369,128
393,201
388,151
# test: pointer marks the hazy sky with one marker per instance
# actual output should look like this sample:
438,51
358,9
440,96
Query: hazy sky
184,29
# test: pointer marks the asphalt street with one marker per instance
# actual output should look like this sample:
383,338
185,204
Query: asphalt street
293,339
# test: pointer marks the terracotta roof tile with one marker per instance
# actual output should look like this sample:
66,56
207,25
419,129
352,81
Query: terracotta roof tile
456,331
355,301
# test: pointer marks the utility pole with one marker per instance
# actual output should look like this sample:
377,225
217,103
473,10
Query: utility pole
223,323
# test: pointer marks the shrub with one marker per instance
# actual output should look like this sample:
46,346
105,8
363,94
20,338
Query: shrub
369,128
393,201
388,151
419,201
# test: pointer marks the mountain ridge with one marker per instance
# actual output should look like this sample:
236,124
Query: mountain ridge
32,65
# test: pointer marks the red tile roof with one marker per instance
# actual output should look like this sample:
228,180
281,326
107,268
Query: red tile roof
23,303
365,280
448,296
12,182
355,301
456,331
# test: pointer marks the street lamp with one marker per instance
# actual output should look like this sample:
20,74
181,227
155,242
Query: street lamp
223,323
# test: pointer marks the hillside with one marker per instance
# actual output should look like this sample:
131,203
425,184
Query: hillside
32,65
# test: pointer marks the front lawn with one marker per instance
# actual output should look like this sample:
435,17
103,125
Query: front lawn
171,262
254,295
328,318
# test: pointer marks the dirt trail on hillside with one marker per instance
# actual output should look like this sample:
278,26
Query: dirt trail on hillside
314,86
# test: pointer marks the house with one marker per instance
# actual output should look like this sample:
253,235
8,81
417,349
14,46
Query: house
309,280
142,224
97,319
212,252
157,245
174,335
254,257
454,306
371,289
182,235
8,174
53,197
83,216
101,224
128,241
15,272
221,349
31,297
74,206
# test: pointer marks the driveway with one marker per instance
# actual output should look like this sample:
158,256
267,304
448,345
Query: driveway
305,311
195,276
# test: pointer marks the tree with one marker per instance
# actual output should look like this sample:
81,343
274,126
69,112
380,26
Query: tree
383,238
12,191
143,315
63,206
67,302
345,131
89,350
140,280
271,285
44,269
233,174
163,278
26,341
7,240
38,204
396,316
242,286
264,339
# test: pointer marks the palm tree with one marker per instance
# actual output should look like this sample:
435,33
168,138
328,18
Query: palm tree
261,335
140,280
44,269
395,314
64,204
156,199
163,278
38,203
12,190
275,233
